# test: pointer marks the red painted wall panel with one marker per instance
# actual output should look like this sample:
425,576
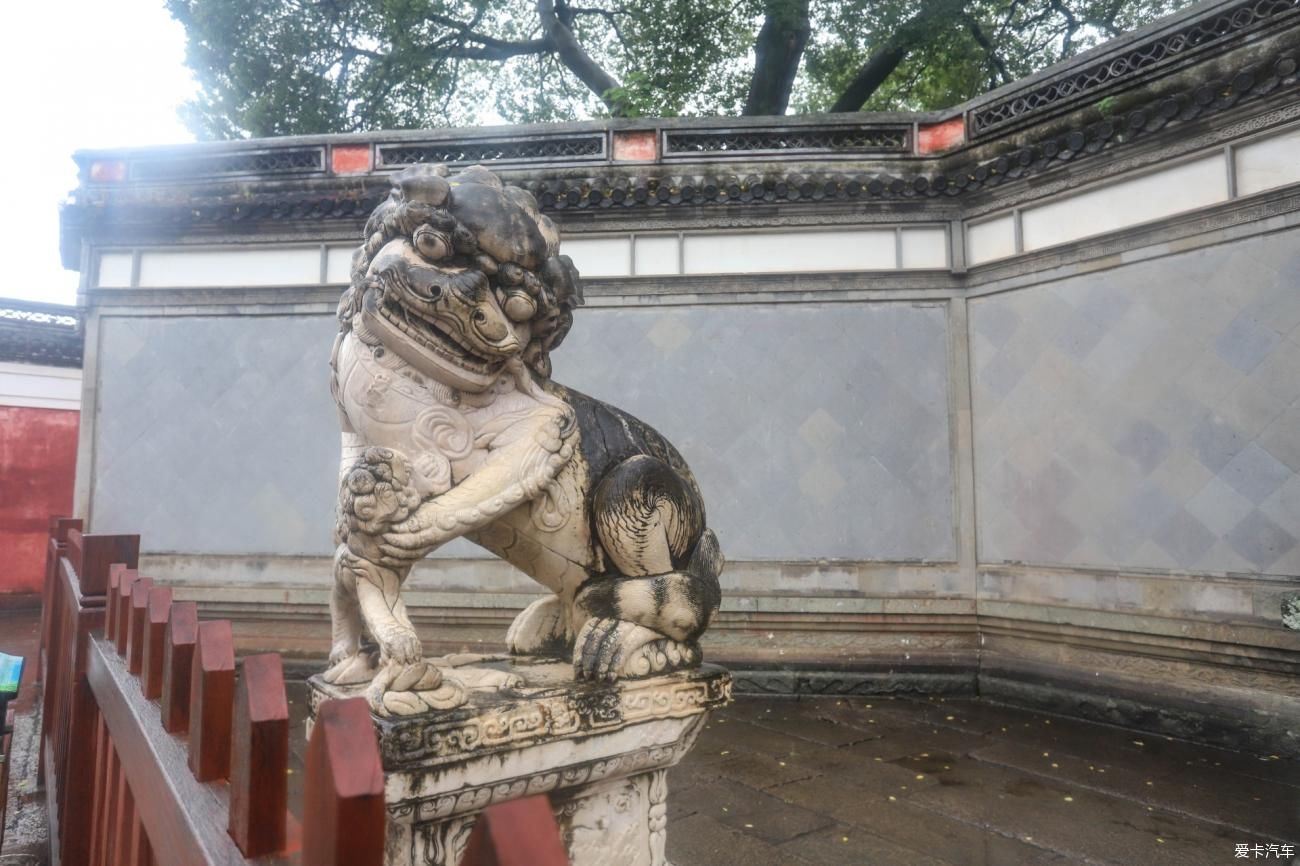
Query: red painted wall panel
38,463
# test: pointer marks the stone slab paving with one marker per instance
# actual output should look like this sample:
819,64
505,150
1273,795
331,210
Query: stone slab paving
964,783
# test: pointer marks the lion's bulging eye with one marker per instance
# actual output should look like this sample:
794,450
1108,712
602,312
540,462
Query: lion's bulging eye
432,244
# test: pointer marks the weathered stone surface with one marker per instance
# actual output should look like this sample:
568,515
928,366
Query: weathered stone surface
452,428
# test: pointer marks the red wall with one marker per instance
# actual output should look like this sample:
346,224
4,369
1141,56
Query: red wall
38,462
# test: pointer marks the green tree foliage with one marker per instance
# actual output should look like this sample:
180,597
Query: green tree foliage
286,67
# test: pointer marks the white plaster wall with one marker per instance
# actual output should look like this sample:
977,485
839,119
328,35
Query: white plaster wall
39,386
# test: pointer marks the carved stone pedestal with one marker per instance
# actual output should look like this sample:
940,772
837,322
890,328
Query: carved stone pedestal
600,750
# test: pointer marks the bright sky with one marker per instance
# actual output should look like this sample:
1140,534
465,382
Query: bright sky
78,74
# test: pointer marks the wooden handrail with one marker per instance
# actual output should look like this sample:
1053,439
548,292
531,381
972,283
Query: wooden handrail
185,818
147,720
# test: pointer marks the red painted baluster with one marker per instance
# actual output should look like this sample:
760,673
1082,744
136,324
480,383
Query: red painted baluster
212,694
136,615
343,796
259,760
178,659
100,790
155,633
116,800
122,601
516,833
138,854
126,817
117,572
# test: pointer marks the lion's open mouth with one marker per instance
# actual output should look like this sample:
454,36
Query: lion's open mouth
425,332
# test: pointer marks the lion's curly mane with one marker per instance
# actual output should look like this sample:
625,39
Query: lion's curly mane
423,195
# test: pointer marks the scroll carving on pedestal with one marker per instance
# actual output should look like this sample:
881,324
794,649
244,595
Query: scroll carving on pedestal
452,427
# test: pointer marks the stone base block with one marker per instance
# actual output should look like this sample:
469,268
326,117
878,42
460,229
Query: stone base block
601,751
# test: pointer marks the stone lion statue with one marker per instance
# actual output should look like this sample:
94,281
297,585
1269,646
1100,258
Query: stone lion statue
452,427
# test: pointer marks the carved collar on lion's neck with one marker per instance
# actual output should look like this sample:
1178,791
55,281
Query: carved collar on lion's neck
514,377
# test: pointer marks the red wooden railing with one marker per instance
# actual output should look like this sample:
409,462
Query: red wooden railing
154,752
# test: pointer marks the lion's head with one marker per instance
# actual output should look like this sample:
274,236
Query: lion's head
459,275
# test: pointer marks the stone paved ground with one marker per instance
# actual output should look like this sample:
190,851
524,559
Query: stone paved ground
879,782
967,783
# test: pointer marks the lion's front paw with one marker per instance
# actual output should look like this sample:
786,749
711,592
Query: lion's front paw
404,690
400,646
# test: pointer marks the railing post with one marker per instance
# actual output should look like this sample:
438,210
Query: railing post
259,759
516,833
98,552
58,543
155,627
117,573
53,637
212,692
136,616
122,601
178,659
343,796
82,599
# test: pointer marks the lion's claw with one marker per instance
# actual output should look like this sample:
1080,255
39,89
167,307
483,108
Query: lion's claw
604,644
402,647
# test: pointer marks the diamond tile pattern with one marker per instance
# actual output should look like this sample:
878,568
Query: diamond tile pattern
217,434
1145,416
816,430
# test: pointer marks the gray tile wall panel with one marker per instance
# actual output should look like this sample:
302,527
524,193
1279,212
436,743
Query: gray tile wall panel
1144,416
817,431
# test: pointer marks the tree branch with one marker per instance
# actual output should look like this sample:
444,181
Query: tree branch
982,39
777,53
881,65
1071,26
560,39
611,18
480,46
500,50
873,73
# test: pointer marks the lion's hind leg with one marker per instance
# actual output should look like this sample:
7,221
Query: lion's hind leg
539,629
647,618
